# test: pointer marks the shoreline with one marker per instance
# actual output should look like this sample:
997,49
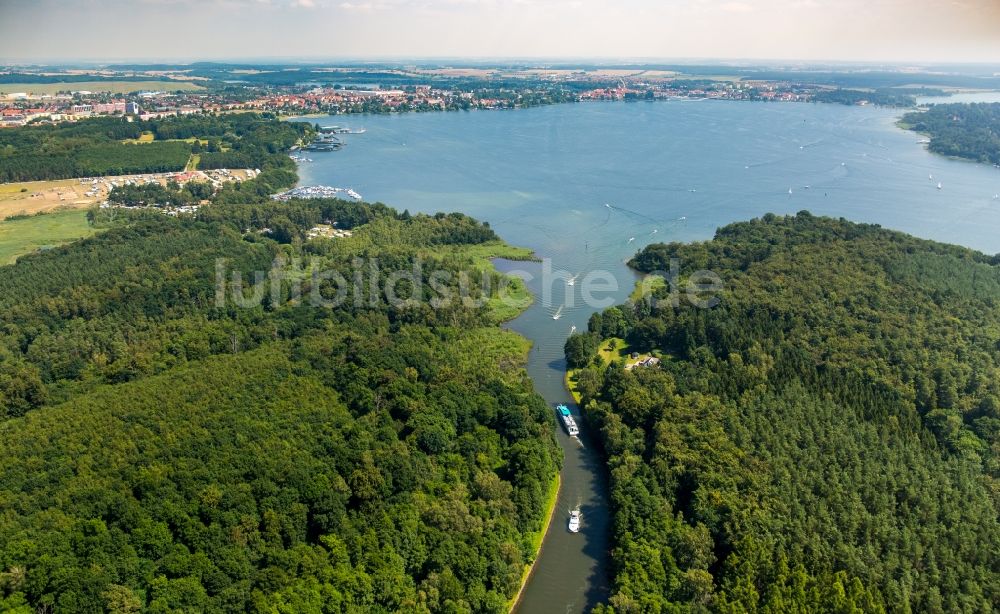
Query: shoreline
530,568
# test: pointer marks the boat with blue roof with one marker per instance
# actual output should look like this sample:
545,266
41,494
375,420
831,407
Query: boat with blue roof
567,418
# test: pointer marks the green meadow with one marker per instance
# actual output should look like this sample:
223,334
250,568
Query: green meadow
25,235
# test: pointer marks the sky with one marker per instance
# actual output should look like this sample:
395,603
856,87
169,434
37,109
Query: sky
844,30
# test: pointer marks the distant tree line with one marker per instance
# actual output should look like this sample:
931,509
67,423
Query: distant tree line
96,146
884,97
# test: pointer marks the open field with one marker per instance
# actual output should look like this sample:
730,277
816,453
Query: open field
114,87
149,137
613,349
23,236
39,196
44,196
145,137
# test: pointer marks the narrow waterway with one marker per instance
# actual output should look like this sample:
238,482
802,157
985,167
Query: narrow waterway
571,572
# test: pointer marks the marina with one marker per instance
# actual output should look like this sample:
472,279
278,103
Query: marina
326,141
340,130
317,191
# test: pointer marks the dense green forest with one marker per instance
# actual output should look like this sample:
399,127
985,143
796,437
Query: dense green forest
886,97
962,130
99,146
825,438
164,452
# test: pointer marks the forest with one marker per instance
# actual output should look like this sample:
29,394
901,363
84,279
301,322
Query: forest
885,97
100,146
969,131
825,438
161,451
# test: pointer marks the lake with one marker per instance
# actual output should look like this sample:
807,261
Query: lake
587,185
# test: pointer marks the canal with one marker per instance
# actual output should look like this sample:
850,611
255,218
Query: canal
571,572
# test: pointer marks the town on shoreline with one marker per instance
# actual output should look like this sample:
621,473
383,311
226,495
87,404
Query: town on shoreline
39,95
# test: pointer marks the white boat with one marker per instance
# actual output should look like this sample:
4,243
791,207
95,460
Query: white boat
939,185
630,239
789,191
558,313
572,329
574,521
567,418
572,280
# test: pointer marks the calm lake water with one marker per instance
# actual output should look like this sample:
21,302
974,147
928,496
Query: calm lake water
671,171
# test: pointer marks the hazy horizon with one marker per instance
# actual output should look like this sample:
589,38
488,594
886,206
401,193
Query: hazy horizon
803,31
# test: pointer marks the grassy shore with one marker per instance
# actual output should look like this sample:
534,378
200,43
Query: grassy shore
25,235
646,286
514,298
551,497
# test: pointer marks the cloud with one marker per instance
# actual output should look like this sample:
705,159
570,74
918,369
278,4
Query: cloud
737,7
362,7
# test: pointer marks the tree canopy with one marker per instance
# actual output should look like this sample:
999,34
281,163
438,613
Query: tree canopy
102,146
962,130
825,438
160,452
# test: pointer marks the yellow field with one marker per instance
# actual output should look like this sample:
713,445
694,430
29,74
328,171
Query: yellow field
30,197
38,196
149,137
114,87
145,137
